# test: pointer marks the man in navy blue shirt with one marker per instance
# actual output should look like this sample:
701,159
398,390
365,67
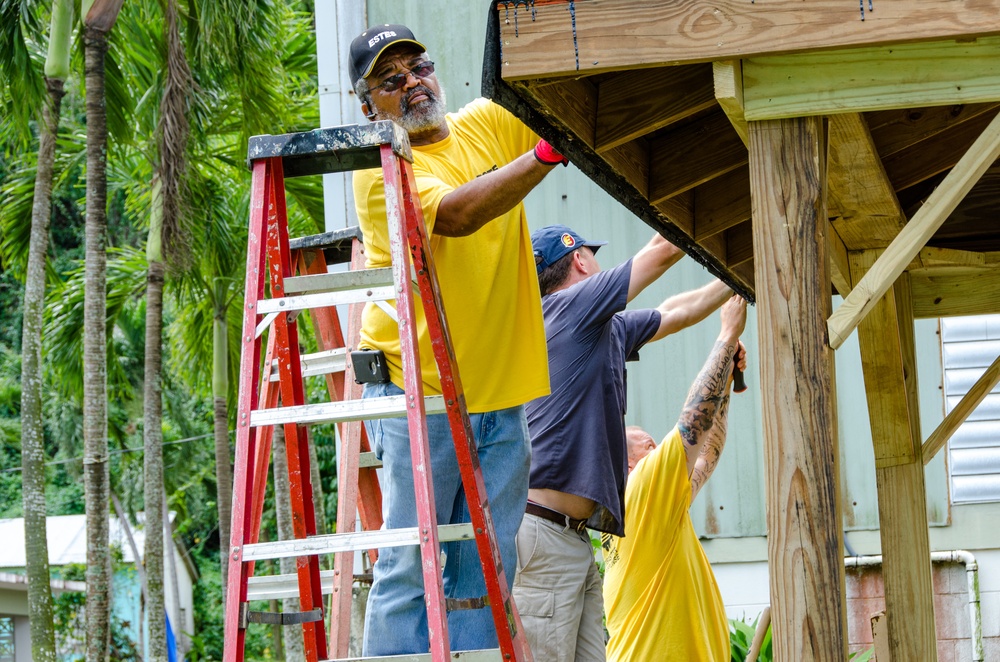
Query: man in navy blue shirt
579,458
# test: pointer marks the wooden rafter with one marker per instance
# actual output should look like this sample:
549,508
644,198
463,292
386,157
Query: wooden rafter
686,157
722,203
636,103
921,161
915,234
897,129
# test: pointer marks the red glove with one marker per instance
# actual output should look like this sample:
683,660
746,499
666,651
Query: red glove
547,154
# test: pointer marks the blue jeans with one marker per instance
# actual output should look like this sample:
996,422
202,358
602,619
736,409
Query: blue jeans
396,619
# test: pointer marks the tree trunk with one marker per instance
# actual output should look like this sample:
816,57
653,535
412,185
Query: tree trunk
294,645
43,648
153,445
95,411
172,135
223,466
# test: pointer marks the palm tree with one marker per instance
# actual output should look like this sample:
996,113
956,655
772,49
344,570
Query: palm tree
164,232
32,435
99,17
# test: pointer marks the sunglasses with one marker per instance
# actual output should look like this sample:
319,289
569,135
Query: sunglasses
396,81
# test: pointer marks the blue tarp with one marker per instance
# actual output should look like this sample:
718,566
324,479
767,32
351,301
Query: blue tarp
171,642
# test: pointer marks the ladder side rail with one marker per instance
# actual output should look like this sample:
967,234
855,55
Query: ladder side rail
268,400
505,617
296,438
243,479
430,550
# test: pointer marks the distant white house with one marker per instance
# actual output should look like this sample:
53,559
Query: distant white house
67,541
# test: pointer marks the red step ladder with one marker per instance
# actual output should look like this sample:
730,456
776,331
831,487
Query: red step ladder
271,269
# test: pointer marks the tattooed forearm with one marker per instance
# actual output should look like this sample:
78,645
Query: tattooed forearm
706,394
715,441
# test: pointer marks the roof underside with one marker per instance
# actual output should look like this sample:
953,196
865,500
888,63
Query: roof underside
661,121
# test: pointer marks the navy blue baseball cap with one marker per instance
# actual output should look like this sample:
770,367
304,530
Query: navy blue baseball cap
553,242
368,46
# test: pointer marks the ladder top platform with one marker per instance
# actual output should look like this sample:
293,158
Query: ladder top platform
336,244
334,149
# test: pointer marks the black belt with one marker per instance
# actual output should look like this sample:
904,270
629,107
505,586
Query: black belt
555,516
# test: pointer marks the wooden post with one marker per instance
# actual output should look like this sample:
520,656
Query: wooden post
889,365
805,538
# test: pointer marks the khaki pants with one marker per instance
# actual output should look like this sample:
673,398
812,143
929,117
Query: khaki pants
558,593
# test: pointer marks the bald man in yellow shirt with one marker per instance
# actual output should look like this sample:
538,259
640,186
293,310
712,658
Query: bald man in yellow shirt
660,595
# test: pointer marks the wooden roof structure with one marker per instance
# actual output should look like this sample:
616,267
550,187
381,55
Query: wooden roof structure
798,148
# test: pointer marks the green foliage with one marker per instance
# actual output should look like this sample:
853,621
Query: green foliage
254,68
741,639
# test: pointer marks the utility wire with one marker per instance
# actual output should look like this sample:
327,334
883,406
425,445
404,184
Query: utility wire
118,451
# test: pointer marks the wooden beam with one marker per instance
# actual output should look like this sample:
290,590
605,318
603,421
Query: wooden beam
840,267
955,292
744,274
686,157
573,103
961,411
897,129
722,203
922,161
873,78
739,244
680,210
788,180
635,103
592,36
889,365
728,77
914,236
868,213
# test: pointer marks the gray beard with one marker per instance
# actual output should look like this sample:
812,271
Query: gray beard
427,117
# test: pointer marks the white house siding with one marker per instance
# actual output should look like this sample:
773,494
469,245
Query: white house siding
969,346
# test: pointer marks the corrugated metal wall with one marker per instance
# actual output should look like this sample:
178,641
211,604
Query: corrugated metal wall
732,503
970,345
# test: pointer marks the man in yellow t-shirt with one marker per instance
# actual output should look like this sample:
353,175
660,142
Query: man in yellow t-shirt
660,595
472,169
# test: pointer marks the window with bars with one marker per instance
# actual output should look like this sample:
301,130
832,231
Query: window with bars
969,345
6,639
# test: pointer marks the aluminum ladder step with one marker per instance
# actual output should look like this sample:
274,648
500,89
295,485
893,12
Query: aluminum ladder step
347,410
486,655
317,363
351,542
331,289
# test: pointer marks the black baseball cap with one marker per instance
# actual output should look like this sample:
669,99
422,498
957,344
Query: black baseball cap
552,242
368,46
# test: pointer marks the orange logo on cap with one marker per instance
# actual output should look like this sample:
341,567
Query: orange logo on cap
568,240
